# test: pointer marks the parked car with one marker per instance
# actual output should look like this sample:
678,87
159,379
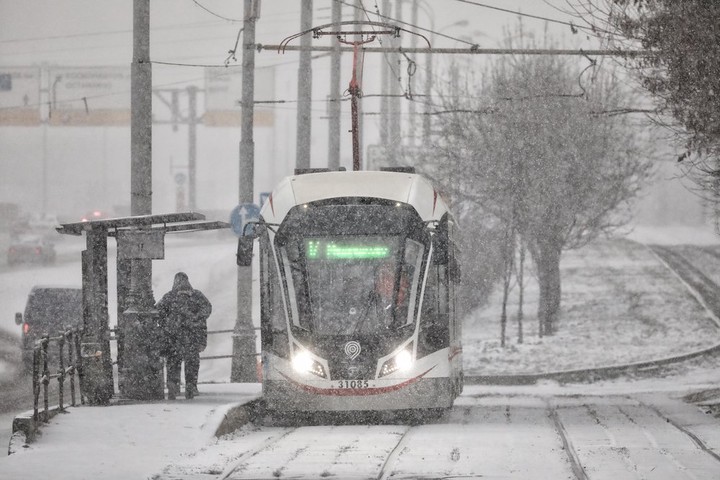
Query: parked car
30,249
48,310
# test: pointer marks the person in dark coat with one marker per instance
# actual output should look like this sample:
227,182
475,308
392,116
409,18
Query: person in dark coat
183,314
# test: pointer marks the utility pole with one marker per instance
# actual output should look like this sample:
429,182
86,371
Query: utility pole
358,38
334,106
143,368
384,89
394,133
192,121
412,131
244,363
304,118
192,147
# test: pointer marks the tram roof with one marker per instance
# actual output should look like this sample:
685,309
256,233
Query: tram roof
409,188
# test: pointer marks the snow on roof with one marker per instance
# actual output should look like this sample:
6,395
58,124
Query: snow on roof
394,186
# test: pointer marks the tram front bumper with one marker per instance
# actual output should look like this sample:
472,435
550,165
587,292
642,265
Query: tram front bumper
424,393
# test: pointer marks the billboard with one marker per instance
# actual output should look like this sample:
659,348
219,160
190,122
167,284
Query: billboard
223,92
89,96
20,96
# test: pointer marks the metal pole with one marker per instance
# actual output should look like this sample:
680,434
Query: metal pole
192,147
359,38
334,106
355,93
385,89
427,103
44,194
411,105
304,119
144,370
394,133
243,368
141,105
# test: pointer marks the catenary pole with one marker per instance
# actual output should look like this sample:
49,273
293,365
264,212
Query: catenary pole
384,101
243,368
192,147
412,133
143,379
395,89
304,118
334,106
358,38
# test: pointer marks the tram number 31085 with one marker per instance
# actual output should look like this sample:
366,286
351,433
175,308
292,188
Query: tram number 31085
353,384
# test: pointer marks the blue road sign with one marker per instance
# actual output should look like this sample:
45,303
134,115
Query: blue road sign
263,197
241,215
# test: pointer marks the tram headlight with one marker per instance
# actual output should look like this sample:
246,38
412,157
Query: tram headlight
303,362
402,362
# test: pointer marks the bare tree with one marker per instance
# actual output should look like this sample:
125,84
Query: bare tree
533,149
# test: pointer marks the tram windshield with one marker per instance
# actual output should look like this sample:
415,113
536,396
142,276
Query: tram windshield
352,285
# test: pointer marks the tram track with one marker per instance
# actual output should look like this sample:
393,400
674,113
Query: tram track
704,289
572,456
386,469
700,443
266,445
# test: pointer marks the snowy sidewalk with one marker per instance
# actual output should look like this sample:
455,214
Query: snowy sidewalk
125,442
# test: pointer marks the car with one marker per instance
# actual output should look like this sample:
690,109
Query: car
30,249
48,310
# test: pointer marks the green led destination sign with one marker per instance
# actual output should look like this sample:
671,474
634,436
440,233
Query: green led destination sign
316,249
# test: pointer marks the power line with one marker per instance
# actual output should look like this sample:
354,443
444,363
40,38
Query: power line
528,15
106,32
234,20
475,50
417,27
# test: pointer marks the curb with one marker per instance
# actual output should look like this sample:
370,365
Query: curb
567,376
25,429
238,416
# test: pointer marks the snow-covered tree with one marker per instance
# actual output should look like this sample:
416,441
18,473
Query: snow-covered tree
532,147
679,67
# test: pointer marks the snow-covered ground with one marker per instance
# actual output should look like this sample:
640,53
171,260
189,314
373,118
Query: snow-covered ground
620,305
124,441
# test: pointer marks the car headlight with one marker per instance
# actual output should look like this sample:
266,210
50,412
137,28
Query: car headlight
303,362
402,362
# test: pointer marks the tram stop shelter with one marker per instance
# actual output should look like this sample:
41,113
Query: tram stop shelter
140,239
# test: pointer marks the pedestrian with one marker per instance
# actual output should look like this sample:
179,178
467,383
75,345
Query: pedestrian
183,314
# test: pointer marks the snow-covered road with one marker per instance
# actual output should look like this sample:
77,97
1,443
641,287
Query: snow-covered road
485,435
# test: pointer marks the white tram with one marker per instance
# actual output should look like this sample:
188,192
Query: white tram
357,274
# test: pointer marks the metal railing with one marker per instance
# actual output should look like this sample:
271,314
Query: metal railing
217,357
68,365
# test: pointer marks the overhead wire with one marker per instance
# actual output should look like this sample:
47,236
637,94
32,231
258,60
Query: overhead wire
537,17
234,20
106,32
361,7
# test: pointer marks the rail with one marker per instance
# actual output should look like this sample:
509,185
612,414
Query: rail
68,365
218,357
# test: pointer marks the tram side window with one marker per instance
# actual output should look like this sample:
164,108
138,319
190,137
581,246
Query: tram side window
277,310
297,288
434,333
274,328
408,283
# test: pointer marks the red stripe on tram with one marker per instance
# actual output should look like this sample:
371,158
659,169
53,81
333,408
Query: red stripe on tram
346,392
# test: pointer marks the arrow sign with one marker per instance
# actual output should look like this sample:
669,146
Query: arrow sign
241,215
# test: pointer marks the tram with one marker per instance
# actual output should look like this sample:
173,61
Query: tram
357,278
